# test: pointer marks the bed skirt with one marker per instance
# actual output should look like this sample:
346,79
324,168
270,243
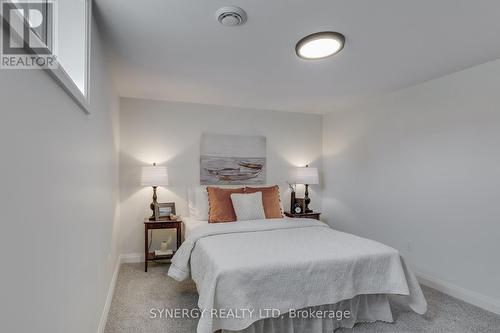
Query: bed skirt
362,308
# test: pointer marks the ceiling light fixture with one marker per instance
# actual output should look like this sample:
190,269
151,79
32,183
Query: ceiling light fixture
320,45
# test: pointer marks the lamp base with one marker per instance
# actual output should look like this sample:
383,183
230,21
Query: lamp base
307,201
153,216
153,204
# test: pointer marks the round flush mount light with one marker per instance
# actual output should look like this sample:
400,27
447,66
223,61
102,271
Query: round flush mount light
320,45
231,16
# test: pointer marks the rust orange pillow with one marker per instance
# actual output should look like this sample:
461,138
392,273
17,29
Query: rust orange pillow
270,200
220,206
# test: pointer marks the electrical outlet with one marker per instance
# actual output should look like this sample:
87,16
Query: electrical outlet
409,246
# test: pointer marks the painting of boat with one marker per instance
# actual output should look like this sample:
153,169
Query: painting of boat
232,160
245,171
227,171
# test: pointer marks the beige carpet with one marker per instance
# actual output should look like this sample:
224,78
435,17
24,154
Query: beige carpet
138,292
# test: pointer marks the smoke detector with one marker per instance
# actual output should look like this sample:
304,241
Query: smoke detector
231,16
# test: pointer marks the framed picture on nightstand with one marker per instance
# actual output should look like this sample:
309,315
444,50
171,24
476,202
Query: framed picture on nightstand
164,210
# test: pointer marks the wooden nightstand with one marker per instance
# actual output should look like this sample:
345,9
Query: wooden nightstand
312,215
162,224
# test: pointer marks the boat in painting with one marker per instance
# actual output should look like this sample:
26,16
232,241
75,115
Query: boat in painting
240,176
223,171
233,174
227,170
250,165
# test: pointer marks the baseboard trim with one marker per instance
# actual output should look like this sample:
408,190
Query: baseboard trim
109,297
130,258
469,296
122,259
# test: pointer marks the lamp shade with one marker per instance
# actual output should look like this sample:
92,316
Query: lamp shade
154,176
306,175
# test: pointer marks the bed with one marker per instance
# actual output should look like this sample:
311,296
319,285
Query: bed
253,276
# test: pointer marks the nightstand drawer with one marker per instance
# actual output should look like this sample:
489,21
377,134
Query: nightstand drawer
162,225
313,215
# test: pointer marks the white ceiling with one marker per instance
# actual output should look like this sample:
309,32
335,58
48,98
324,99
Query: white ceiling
176,50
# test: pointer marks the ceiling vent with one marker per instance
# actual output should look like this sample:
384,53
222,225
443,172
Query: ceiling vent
231,16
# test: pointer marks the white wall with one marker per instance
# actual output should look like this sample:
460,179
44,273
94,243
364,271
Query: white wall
169,133
58,201
422,165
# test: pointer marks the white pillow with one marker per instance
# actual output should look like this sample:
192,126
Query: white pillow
248,206
198,203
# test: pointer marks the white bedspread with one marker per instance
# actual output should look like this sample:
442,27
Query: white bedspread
190,224
286,264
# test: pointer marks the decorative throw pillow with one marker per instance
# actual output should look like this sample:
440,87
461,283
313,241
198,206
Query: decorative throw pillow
270,199
248,206
198,203
220,206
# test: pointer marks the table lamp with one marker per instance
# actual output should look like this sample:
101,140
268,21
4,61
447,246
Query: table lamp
306,176
154,176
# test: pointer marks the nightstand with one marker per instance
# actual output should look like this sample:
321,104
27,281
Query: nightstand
161,224
312,215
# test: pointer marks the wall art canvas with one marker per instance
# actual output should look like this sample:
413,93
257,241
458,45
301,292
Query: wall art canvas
232,159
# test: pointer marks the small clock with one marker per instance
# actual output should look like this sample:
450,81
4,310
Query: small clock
297,209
